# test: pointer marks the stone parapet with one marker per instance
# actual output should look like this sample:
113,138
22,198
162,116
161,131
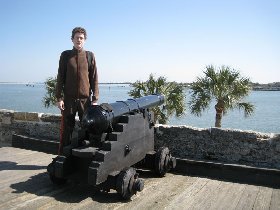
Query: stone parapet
215,144
33,124
223,145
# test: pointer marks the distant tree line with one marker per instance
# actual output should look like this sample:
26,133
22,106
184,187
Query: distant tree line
269,86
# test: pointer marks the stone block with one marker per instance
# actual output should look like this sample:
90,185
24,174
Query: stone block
277,148
6,116
19,116
50,118
26,116
30,143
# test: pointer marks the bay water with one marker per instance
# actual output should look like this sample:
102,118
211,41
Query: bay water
266,118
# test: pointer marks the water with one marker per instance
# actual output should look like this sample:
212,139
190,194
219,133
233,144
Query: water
266,117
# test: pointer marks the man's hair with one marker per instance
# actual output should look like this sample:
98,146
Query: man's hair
79,30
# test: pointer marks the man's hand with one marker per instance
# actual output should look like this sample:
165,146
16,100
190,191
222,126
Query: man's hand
60,105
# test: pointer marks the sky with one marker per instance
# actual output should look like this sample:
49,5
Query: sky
132,39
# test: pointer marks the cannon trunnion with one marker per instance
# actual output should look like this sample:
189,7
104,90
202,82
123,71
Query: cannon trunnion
106,157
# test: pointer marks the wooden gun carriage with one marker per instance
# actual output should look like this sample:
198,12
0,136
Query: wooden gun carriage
113,140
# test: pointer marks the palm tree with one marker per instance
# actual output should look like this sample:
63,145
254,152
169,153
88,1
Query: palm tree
49,98
226,87
174,97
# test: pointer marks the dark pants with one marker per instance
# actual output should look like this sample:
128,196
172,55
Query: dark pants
72,106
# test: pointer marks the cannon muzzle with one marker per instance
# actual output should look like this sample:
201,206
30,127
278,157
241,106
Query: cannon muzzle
98,118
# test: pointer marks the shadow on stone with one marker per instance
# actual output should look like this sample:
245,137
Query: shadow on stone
8,165
41,185
71,192
35,144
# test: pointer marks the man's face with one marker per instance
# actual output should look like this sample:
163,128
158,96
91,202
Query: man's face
78,40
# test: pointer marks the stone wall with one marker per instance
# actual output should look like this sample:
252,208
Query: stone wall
223,145
41,126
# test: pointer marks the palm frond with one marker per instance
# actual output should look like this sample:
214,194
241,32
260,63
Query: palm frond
248,108
174,96
224,85
49,98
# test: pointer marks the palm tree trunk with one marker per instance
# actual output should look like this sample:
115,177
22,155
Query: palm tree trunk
219,114
218,122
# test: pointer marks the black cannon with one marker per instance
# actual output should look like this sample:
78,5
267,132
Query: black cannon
113,140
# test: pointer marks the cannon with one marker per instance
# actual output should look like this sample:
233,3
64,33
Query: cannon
114,140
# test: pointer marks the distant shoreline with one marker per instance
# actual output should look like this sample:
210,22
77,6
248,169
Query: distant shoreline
275,86
42,83
264,89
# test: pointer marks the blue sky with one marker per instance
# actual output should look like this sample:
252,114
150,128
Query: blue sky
133,38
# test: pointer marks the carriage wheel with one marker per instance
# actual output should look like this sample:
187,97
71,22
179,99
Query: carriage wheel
128,183
57,181
162,161
53,178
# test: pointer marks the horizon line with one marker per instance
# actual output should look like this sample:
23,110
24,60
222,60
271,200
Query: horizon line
28,83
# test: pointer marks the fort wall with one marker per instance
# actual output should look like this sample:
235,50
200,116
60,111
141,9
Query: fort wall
216,144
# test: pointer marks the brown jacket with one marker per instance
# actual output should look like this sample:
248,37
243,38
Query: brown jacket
76,81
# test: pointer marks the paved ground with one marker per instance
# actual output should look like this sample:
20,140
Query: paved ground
24,184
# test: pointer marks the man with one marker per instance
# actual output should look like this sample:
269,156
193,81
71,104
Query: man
77,84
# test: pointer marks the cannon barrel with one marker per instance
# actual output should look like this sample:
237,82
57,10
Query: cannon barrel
98,118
